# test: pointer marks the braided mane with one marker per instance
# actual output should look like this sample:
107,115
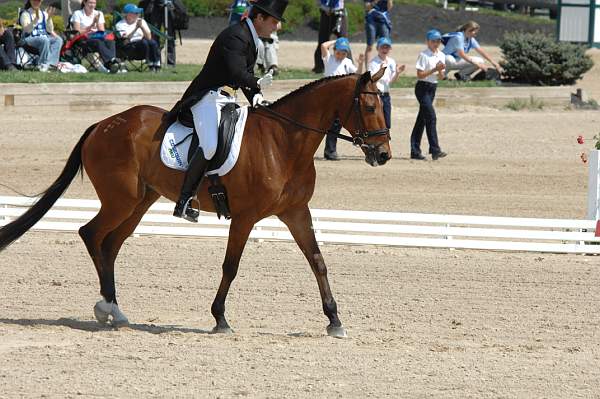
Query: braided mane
308,86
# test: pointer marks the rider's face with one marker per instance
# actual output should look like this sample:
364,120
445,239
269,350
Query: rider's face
265,25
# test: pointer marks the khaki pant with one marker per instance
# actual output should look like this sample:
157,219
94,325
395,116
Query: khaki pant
267,53
465,69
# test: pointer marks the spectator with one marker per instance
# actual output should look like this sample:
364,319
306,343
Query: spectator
333,22
458,44
8,59
267,54
336,65
430,68
38,32
154,11
391,74
89,21
377,23
137,37
238,9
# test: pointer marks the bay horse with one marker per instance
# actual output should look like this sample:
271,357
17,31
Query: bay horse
274,175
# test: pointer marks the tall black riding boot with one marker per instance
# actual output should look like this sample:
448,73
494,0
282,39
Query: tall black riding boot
191,182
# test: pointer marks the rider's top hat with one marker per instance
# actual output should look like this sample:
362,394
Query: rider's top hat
274,8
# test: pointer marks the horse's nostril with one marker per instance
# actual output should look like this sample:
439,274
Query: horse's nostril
384,156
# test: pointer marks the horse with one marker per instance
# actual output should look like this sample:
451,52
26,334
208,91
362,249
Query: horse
274,175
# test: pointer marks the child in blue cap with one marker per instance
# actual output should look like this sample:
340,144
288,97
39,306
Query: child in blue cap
337,64
430,68
391,74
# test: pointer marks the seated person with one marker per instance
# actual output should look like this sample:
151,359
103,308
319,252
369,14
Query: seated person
89,21
8,59
138,42
458,44
267,54
38,32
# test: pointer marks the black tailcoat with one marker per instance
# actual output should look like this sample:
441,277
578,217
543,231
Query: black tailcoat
230,62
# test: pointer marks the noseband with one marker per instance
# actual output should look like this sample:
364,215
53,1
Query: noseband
360,136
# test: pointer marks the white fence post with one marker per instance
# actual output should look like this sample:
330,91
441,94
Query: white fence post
593,210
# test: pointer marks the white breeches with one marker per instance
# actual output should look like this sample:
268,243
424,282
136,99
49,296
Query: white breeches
207,116
465,69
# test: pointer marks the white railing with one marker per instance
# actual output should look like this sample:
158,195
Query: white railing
349,227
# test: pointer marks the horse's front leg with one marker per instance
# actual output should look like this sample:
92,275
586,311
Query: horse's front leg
299,222
238,235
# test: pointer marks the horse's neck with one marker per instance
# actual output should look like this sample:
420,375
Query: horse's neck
304,142
316,110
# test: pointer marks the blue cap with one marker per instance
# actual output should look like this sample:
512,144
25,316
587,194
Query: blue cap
342,44
384,41
132,9
434,34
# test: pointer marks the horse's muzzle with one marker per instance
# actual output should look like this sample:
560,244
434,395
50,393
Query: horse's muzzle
383,157
375,156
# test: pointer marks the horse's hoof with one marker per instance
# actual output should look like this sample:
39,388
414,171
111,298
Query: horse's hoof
100,314
336,332
103,310
222,330
120,322
118,318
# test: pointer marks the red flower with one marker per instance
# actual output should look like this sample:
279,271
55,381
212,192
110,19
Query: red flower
580,139
583,157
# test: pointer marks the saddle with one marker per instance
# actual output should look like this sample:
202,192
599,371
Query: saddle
226,133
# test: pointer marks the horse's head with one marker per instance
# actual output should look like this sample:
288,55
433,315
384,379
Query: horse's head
365,120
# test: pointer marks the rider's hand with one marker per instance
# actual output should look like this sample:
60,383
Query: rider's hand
266,80
257,99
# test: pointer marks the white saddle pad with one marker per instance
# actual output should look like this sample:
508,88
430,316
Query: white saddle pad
175,157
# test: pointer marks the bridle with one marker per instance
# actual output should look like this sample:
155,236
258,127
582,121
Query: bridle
360,136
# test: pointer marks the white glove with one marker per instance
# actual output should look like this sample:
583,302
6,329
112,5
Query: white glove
266,80
257,99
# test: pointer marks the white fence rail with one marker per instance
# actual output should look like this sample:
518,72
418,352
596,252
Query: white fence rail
349,227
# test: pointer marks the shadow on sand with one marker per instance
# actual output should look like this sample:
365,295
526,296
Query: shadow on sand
91,325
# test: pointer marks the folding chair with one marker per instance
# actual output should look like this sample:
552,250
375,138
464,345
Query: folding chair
132,63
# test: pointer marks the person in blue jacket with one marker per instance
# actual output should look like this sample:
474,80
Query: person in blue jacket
377,24
458,44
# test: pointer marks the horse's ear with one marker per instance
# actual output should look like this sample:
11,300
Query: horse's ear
365,77
379,73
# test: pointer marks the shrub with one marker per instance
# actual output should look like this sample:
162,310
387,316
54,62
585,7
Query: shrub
299,12
518,104
8,9
207,8
356,17
535,58
108,21
57,21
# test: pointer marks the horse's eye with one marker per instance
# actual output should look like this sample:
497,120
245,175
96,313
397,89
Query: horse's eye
370,108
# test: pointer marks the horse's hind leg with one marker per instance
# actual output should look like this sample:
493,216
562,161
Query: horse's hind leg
116,208
299,222
92,234
110,248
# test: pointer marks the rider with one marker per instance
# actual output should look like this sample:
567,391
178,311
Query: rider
228,67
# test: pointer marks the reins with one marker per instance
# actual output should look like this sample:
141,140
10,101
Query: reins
336,126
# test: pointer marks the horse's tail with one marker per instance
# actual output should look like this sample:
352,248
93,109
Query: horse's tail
15,229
